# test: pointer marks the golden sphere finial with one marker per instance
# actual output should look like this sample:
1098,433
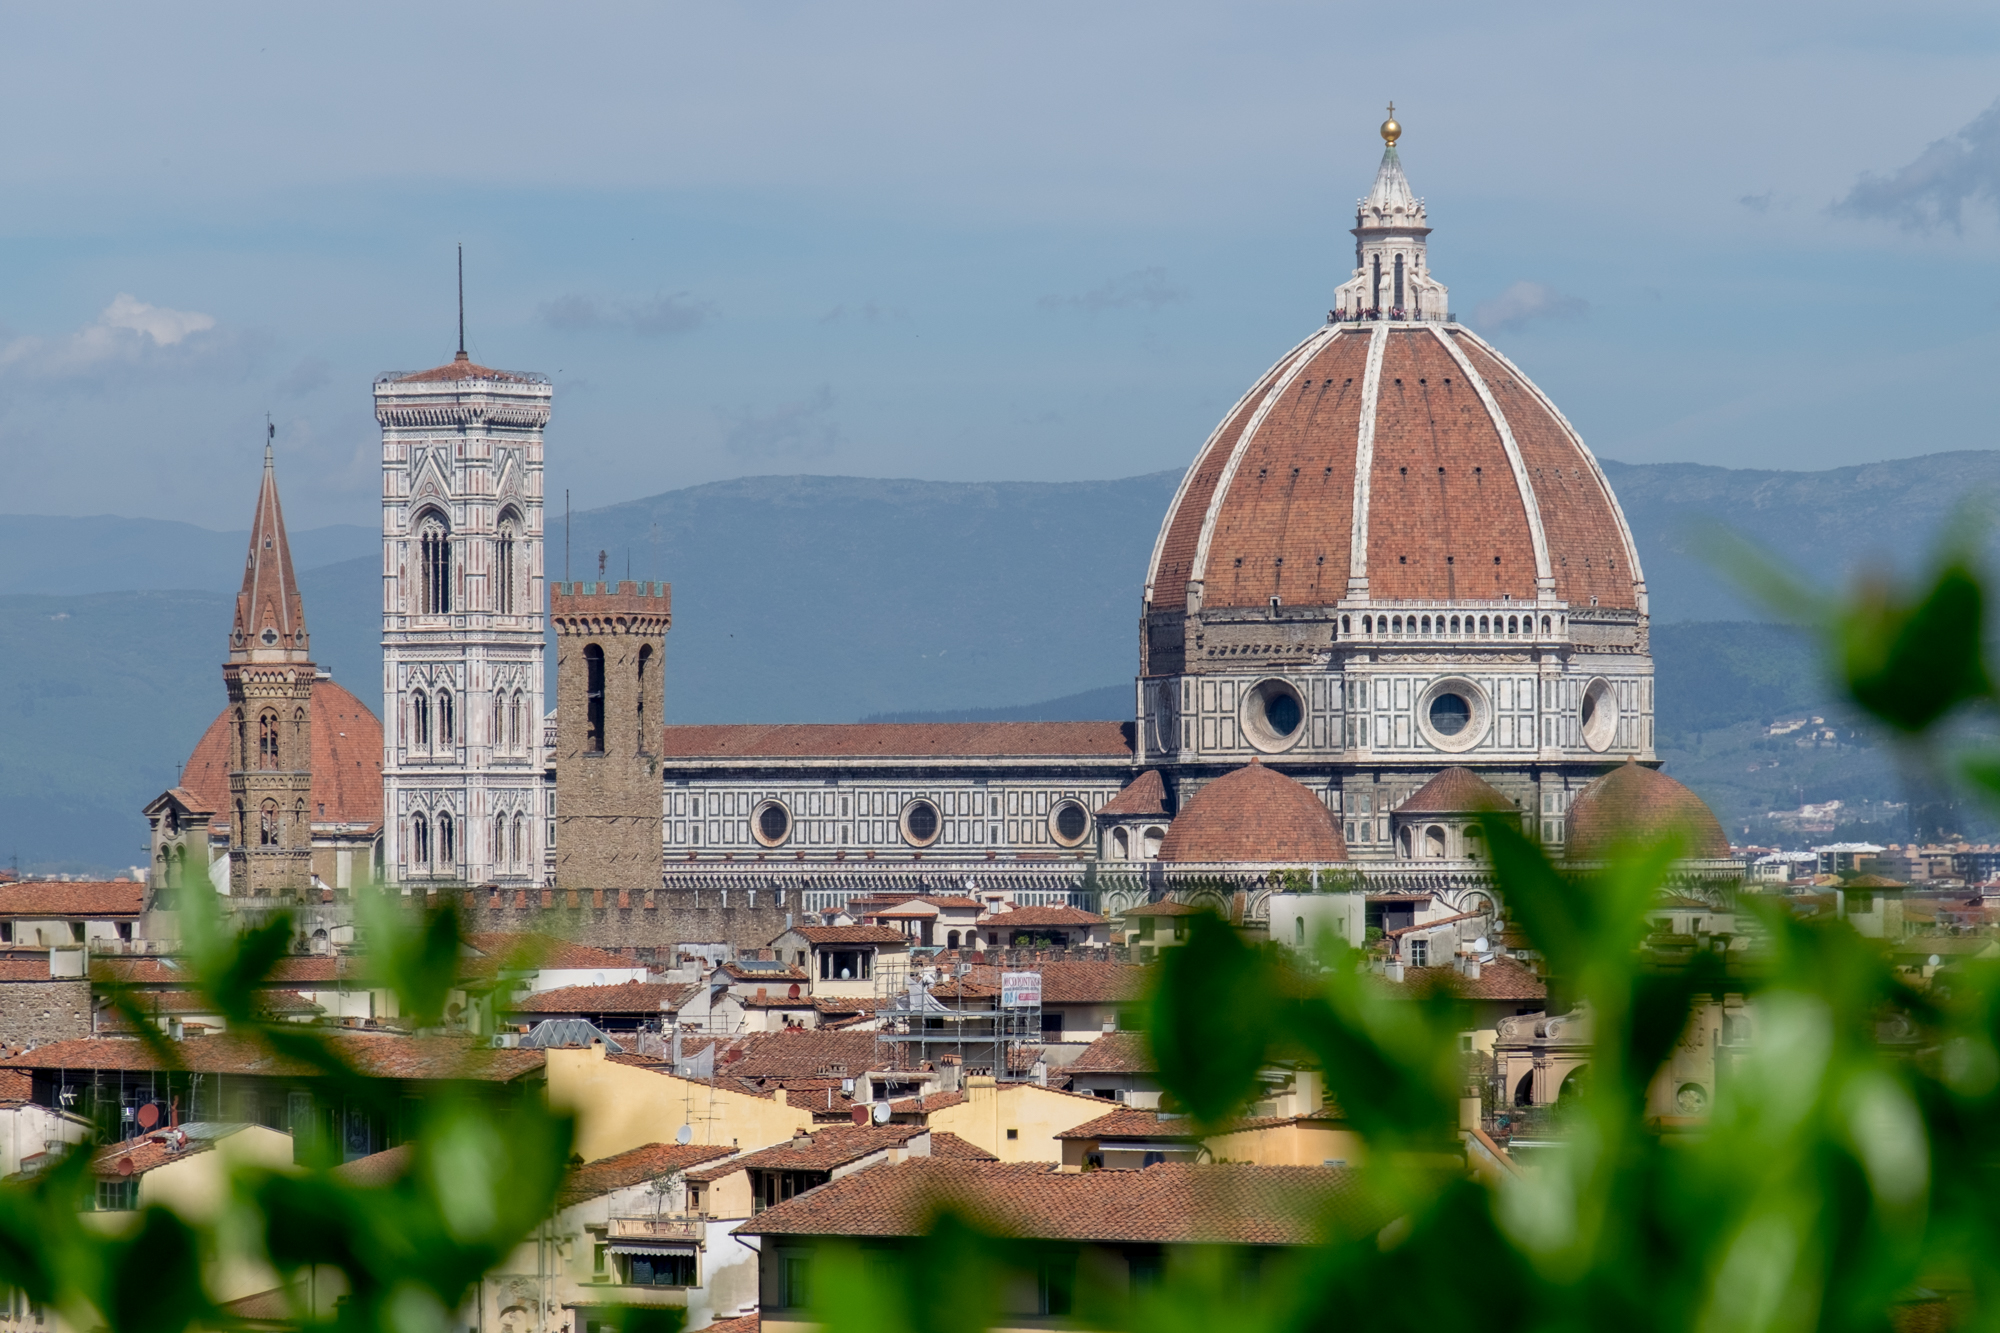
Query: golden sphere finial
1391,131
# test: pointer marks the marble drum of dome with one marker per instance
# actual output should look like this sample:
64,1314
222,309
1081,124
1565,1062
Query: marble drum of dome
1394,549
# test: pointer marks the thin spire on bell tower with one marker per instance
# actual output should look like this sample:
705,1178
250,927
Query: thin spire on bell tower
461,301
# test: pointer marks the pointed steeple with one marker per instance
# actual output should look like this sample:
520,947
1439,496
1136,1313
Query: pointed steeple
270,617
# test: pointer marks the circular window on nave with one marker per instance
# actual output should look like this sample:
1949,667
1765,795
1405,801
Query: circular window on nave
921,823
1453,714
1273,715
1069,823
771,822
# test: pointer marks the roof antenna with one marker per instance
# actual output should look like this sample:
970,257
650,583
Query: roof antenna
461,300
270,436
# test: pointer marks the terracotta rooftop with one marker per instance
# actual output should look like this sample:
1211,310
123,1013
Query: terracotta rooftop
1128,1123
1267,506
134,1157
631,997
24,969
1172,1203
635,1167
1634,802
936,740
1254,815
1500,979
74,898
346,761
1456,791
1143,795
850,935
462,367
374,1055
1115,1053
946,1144
1022,917
822,1150
283,1002
783,1055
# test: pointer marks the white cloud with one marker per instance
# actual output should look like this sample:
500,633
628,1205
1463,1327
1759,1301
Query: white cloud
127,331
165,327
1933,190
1526,301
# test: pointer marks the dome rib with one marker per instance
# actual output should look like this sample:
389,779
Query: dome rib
1193,478
1364,462
1301,358
1545,578
1604,491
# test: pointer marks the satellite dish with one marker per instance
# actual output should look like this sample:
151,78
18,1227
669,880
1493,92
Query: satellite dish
881,1113
861,1115
684,1135
1479,945
125,1166
149,1115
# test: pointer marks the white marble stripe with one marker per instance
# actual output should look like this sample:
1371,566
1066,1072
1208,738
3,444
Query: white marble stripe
1364,462
1544,569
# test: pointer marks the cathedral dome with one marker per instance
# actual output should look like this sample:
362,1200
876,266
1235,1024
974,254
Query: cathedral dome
1633,802
1393,456
1254,815
346,761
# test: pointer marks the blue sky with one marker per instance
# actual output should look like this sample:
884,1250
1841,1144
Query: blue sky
1035,241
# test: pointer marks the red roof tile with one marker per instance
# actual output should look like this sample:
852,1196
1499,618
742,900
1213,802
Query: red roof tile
1041,916
1454,791
1075,982
822,1150
1501,979
1256,815
634,1167
1635,802
1115,1053
946,1144
748,1323
374,1055
193,1002
1173,1203
783,1055
1165,907
74,898
380,1168
936,740
1128,1123
851,935
24,969
1143,795
631,997
462,367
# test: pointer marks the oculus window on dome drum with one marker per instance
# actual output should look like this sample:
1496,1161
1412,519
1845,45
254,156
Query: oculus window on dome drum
1069,823
1273,715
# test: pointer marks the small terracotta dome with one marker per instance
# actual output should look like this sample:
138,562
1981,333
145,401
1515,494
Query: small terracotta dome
1144,795
1633,802
1456,791
1254,815
346,760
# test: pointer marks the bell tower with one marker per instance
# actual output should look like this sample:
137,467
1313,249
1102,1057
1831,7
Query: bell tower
269,677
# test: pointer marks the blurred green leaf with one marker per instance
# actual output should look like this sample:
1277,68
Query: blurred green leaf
1911,662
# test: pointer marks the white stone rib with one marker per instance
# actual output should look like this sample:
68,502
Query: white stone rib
1545,573
1187,478
1301,358
1364,463
1603,482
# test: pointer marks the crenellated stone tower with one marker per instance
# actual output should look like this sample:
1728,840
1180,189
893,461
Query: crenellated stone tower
610,704
269,677
462,624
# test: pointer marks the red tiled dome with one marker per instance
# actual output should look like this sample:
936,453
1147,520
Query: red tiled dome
1255,815
1635,802
1456,791
1447,510
346,760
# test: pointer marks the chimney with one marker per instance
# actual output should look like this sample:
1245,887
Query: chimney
1472,968
1394,970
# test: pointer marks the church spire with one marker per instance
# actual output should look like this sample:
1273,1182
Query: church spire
270,617
1391,278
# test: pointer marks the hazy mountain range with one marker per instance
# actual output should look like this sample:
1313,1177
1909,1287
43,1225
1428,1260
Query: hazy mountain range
834,598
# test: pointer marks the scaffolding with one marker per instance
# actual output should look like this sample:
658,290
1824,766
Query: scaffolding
931,1013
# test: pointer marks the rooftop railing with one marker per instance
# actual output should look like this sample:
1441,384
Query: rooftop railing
650,1227
1391,315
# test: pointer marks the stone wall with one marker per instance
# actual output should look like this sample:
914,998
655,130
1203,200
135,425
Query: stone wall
608,782
35,1013
633,919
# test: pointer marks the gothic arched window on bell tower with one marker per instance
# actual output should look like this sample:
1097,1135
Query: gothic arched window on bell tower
445,735
506,592
242,756
645,661
434,565
1399,282
520,823
267,740
445,849
514,722
593,689
420,721
267,825
420,841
